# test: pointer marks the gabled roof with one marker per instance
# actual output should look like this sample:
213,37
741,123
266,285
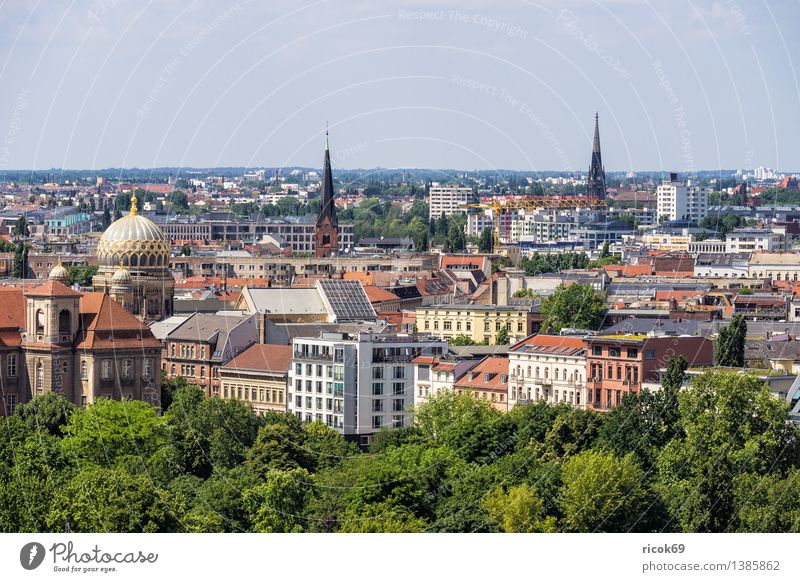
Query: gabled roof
491,373
12,313
376,294
52,289
262,358
106,324
556,345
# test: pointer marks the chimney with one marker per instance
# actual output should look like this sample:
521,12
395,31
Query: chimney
262,328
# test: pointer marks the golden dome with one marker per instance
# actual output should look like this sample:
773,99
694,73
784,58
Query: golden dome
122,276
59,273
133,241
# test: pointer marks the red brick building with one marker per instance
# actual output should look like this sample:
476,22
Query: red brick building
618,364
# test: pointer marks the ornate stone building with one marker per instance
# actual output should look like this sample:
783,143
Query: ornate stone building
133,256
83,346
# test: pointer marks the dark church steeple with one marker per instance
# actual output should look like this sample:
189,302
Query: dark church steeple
597,175
326,237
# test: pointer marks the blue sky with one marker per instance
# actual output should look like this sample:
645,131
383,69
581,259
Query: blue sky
679,85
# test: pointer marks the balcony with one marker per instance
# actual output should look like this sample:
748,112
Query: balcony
313,357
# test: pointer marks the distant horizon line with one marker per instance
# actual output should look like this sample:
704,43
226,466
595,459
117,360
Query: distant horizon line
381,168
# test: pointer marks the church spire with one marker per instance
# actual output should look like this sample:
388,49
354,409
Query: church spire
327,207
596,183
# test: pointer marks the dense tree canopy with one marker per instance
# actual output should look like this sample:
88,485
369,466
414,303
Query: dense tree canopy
720,455
574,306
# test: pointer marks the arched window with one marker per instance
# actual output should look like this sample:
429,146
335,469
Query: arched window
39,376
529,371
326,239
546,373
64,321
556,374
84,369
537,371
39,321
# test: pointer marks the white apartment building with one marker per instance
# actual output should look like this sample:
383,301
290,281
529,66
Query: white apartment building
448,200
548,367
434,374
477,222
358,383
541,226
750,240
678,200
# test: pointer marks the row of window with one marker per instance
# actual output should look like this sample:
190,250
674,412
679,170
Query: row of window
397,388
335,405
398,404
398,372
615,352
398,421
252,393
631,373
188,351
330,419
447,325
535,373
314,370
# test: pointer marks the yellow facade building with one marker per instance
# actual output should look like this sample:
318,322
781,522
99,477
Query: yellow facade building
481,323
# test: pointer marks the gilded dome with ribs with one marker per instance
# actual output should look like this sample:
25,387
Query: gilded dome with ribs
134,242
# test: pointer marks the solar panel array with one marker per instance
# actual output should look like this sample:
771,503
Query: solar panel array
348,300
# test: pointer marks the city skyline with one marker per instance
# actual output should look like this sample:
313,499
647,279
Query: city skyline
420,85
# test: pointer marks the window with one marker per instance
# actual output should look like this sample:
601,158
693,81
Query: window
447,325
377,421
39,376
309,401
298,369
613,352
10,402
398,404
39,321
398,421
399,372
597,351
127,367
147,369
649,354
84,369
377,373
64,321
298,401
11,366
398,388
377,405
377,388
633,353
203,352
469,326
105,369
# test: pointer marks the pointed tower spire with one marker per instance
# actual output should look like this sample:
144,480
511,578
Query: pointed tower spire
326,237
327,208
596,183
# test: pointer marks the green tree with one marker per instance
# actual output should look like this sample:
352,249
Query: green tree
456,240
601,493
486,244
732,425
501,338
105,500
729,347
578,306
106,218
20,266
82,274
675,374
21,227
114,431
518,510
277,505
461,340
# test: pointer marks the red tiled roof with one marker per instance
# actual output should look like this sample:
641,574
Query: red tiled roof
262,357
497,369
551,344
376,294
52,289
12,313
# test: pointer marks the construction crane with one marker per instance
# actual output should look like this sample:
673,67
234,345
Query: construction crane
503,206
